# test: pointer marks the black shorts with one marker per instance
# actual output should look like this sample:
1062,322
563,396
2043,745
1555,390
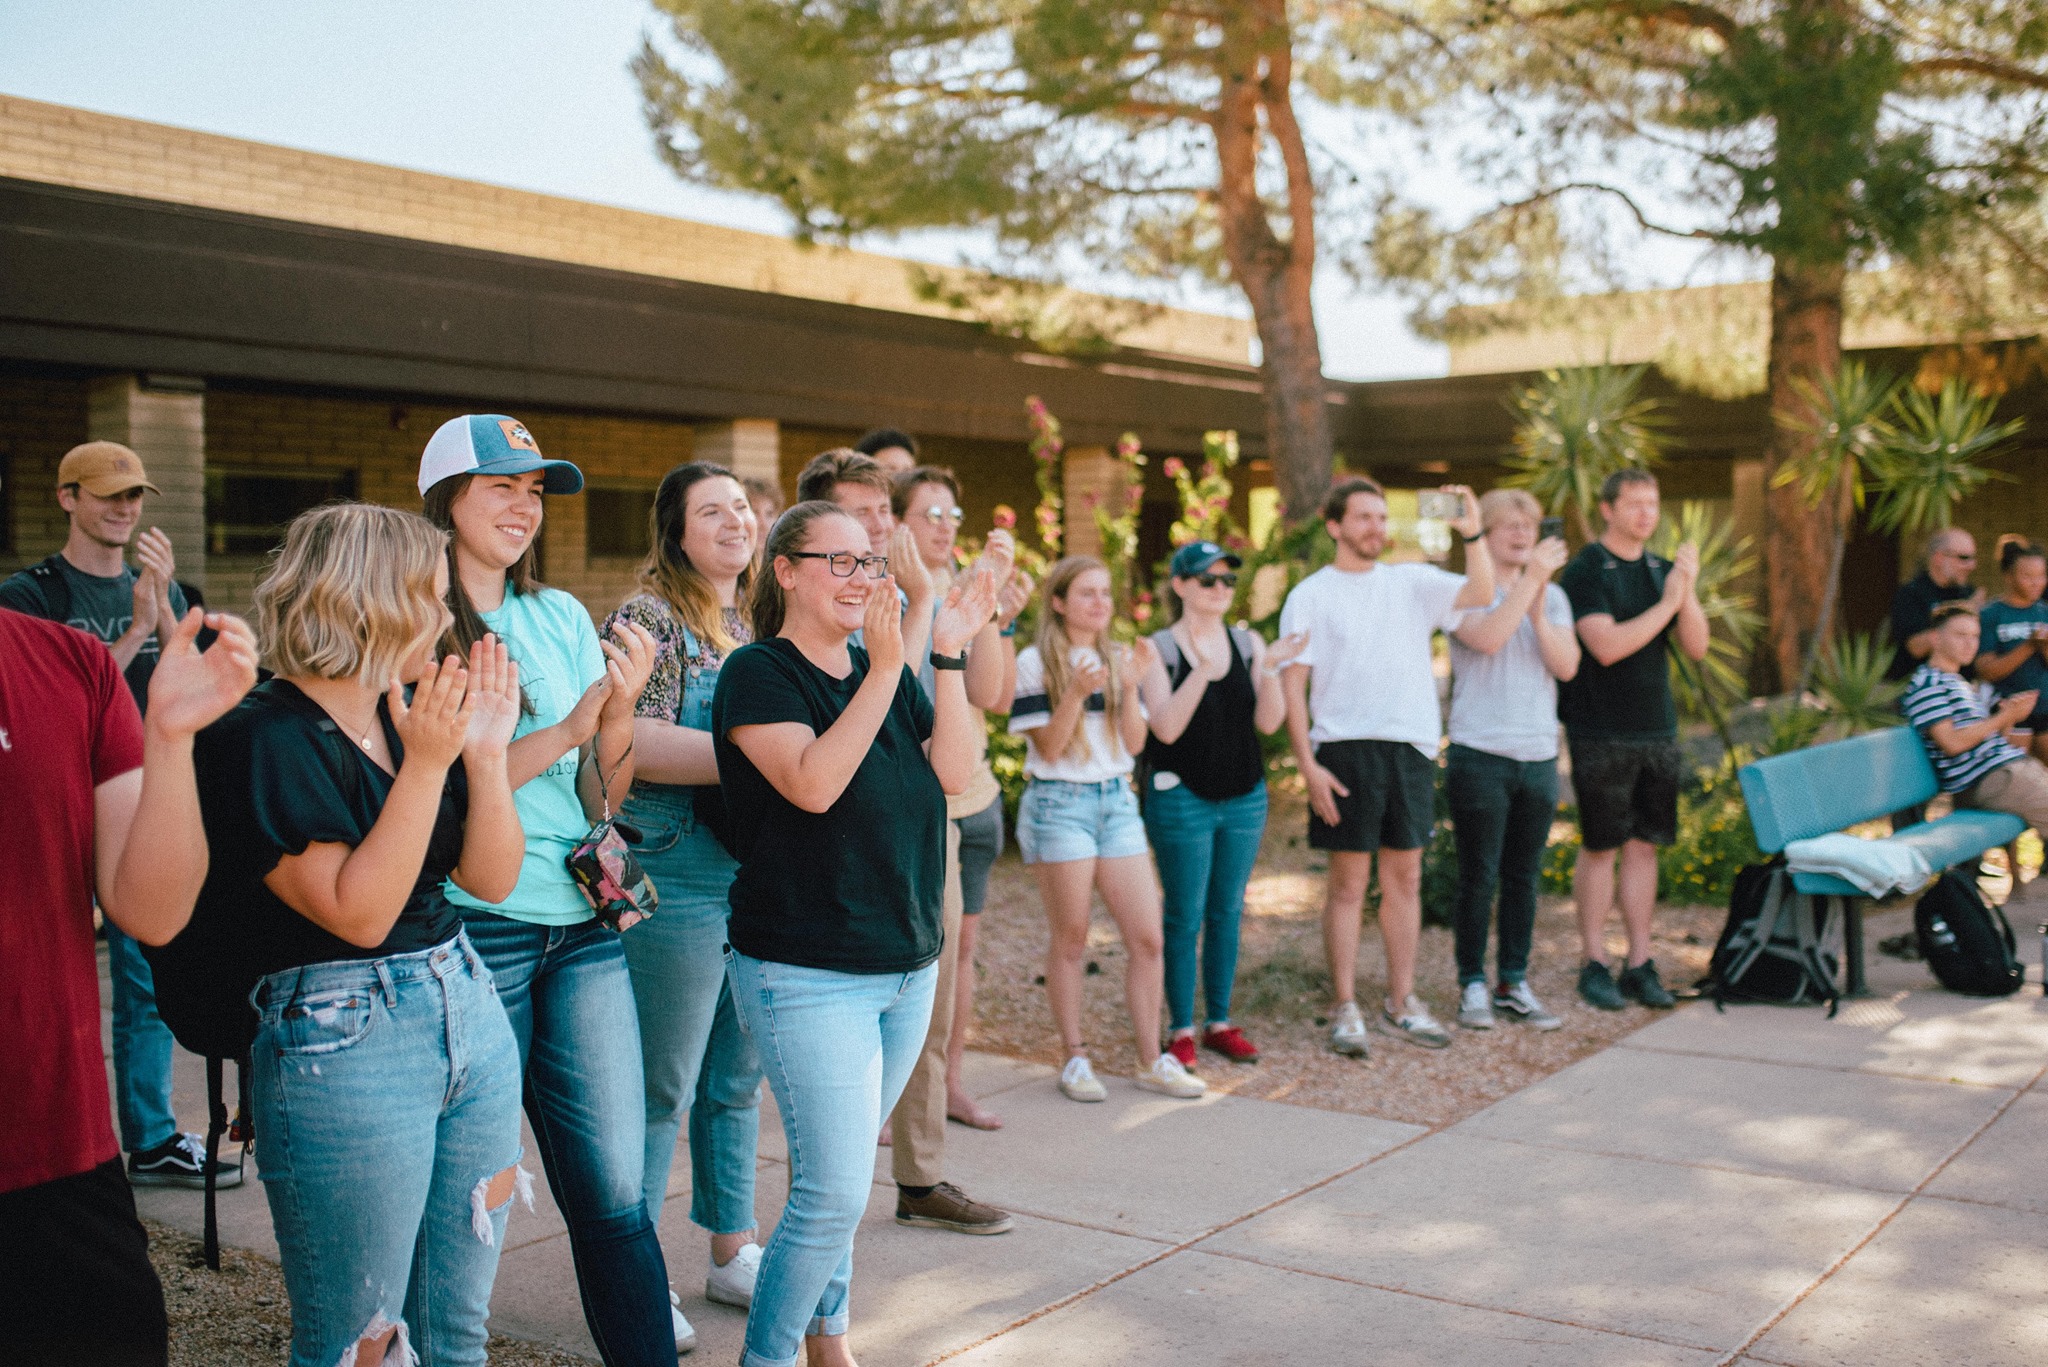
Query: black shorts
1627,790
76,1285
1393,797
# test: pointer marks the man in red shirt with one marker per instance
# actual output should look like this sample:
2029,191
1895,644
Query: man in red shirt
95,803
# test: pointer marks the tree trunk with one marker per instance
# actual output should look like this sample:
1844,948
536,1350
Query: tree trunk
1276,275
1806,341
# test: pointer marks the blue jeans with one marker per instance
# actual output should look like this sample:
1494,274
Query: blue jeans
695,1059
387,1095
1501,810
838,1049
1205,851
570,1001
142,1049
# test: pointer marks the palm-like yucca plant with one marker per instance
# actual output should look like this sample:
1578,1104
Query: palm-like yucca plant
1717,682
1934,458
1576,428
1849,435
1852,684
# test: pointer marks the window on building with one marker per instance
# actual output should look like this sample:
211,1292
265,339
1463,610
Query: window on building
246,510
615,521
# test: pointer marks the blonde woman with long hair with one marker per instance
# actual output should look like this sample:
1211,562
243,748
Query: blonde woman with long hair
1078,827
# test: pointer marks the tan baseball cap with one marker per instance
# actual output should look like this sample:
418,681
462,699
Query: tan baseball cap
104,468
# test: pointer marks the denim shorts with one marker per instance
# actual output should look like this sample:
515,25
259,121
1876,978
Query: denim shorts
1058,822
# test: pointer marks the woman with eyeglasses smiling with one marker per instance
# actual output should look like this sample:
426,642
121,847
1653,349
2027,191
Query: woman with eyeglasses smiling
1209,693
835,766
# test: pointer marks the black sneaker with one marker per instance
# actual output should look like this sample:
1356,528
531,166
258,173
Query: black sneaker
180,1161
1596,985
1642,984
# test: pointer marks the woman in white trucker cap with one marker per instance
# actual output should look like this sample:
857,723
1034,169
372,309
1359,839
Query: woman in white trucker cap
560,971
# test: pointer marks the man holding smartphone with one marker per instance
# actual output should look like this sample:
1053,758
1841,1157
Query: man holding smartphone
1363,719
1622,727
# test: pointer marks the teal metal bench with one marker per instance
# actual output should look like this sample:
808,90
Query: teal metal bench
1824,788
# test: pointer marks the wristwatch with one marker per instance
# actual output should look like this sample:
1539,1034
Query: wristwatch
949,661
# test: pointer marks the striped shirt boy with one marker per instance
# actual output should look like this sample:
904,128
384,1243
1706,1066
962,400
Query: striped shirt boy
1936,695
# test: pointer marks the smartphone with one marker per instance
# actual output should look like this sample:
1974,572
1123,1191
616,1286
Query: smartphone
1439,506
1549,527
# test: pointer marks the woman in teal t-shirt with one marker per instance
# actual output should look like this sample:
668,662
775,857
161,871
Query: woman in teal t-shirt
2014,658
560,972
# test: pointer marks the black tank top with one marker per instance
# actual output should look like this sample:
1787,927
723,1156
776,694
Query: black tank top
1218,755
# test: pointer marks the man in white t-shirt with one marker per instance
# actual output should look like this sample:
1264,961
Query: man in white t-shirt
1363,718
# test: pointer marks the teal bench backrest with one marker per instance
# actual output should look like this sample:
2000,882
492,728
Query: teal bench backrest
1824,788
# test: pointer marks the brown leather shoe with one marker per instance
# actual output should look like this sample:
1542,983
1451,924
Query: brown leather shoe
949,1208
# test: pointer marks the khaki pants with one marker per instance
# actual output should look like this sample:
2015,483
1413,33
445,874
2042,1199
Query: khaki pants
2020,788
918,1130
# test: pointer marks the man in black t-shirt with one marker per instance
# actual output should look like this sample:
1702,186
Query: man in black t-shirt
1622,727
1951,559
90,585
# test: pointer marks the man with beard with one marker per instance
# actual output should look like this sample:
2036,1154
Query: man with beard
1365,724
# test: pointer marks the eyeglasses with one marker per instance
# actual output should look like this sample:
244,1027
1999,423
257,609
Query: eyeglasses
843,563
1210,581
937,515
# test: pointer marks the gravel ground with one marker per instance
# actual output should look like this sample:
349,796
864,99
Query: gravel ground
1282,994
240,1317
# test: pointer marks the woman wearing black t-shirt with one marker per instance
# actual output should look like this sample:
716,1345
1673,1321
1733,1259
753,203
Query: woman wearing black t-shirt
1208,694
835,768
386,1078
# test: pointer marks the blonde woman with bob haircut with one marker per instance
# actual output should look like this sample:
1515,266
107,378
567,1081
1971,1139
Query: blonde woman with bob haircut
341,797
1078,709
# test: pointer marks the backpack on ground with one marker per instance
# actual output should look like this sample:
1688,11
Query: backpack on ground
1777,945
1966,940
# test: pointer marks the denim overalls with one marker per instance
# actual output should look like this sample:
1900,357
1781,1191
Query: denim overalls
695,1057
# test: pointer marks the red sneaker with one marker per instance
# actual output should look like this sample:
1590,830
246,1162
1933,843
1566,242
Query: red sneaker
1182,1047
1230,1042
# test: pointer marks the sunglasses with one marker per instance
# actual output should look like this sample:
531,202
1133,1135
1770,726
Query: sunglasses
1210,581
937,515
843,563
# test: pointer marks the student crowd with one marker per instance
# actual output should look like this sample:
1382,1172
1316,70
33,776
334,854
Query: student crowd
382,855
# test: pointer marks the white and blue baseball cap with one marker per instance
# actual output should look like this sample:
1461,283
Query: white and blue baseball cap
491,444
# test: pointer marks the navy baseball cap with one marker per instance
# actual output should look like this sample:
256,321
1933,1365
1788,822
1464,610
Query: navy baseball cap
1197,556
491,444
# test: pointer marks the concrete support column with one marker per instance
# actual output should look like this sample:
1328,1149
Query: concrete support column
750,447
1090,479
162,419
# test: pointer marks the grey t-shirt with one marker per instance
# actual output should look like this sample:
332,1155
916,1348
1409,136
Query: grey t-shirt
1506,703
101,606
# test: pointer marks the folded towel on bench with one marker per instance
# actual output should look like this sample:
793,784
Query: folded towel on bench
1879,867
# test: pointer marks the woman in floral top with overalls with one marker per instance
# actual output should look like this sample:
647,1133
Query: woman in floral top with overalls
697,1061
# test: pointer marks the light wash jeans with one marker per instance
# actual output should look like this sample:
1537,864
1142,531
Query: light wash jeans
570,1001
1205,851
387,1097
837,1049
695,1058
142,1049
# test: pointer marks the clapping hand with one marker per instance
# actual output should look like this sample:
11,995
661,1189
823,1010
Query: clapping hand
1089,678
1285,651
494,687
908,567
1139,657
160,568
627,667
1547,557
882,628
191,688
969,606
435,724
1014,597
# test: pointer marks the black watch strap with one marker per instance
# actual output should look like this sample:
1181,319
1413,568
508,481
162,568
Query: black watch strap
949,661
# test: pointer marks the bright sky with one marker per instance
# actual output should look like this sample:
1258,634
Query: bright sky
527,93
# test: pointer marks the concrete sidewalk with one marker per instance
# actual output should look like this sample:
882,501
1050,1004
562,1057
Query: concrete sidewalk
1760,1186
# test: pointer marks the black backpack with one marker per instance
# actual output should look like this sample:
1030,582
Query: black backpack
1966,940
1776,945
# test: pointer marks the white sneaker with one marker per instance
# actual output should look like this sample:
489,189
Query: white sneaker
733,1284
686,1337
1475,1007
1347,1032
1168,1078
1518,1001
1079,1082
1412,1022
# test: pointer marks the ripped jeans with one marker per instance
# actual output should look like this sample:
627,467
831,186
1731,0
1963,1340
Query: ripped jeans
387,1101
